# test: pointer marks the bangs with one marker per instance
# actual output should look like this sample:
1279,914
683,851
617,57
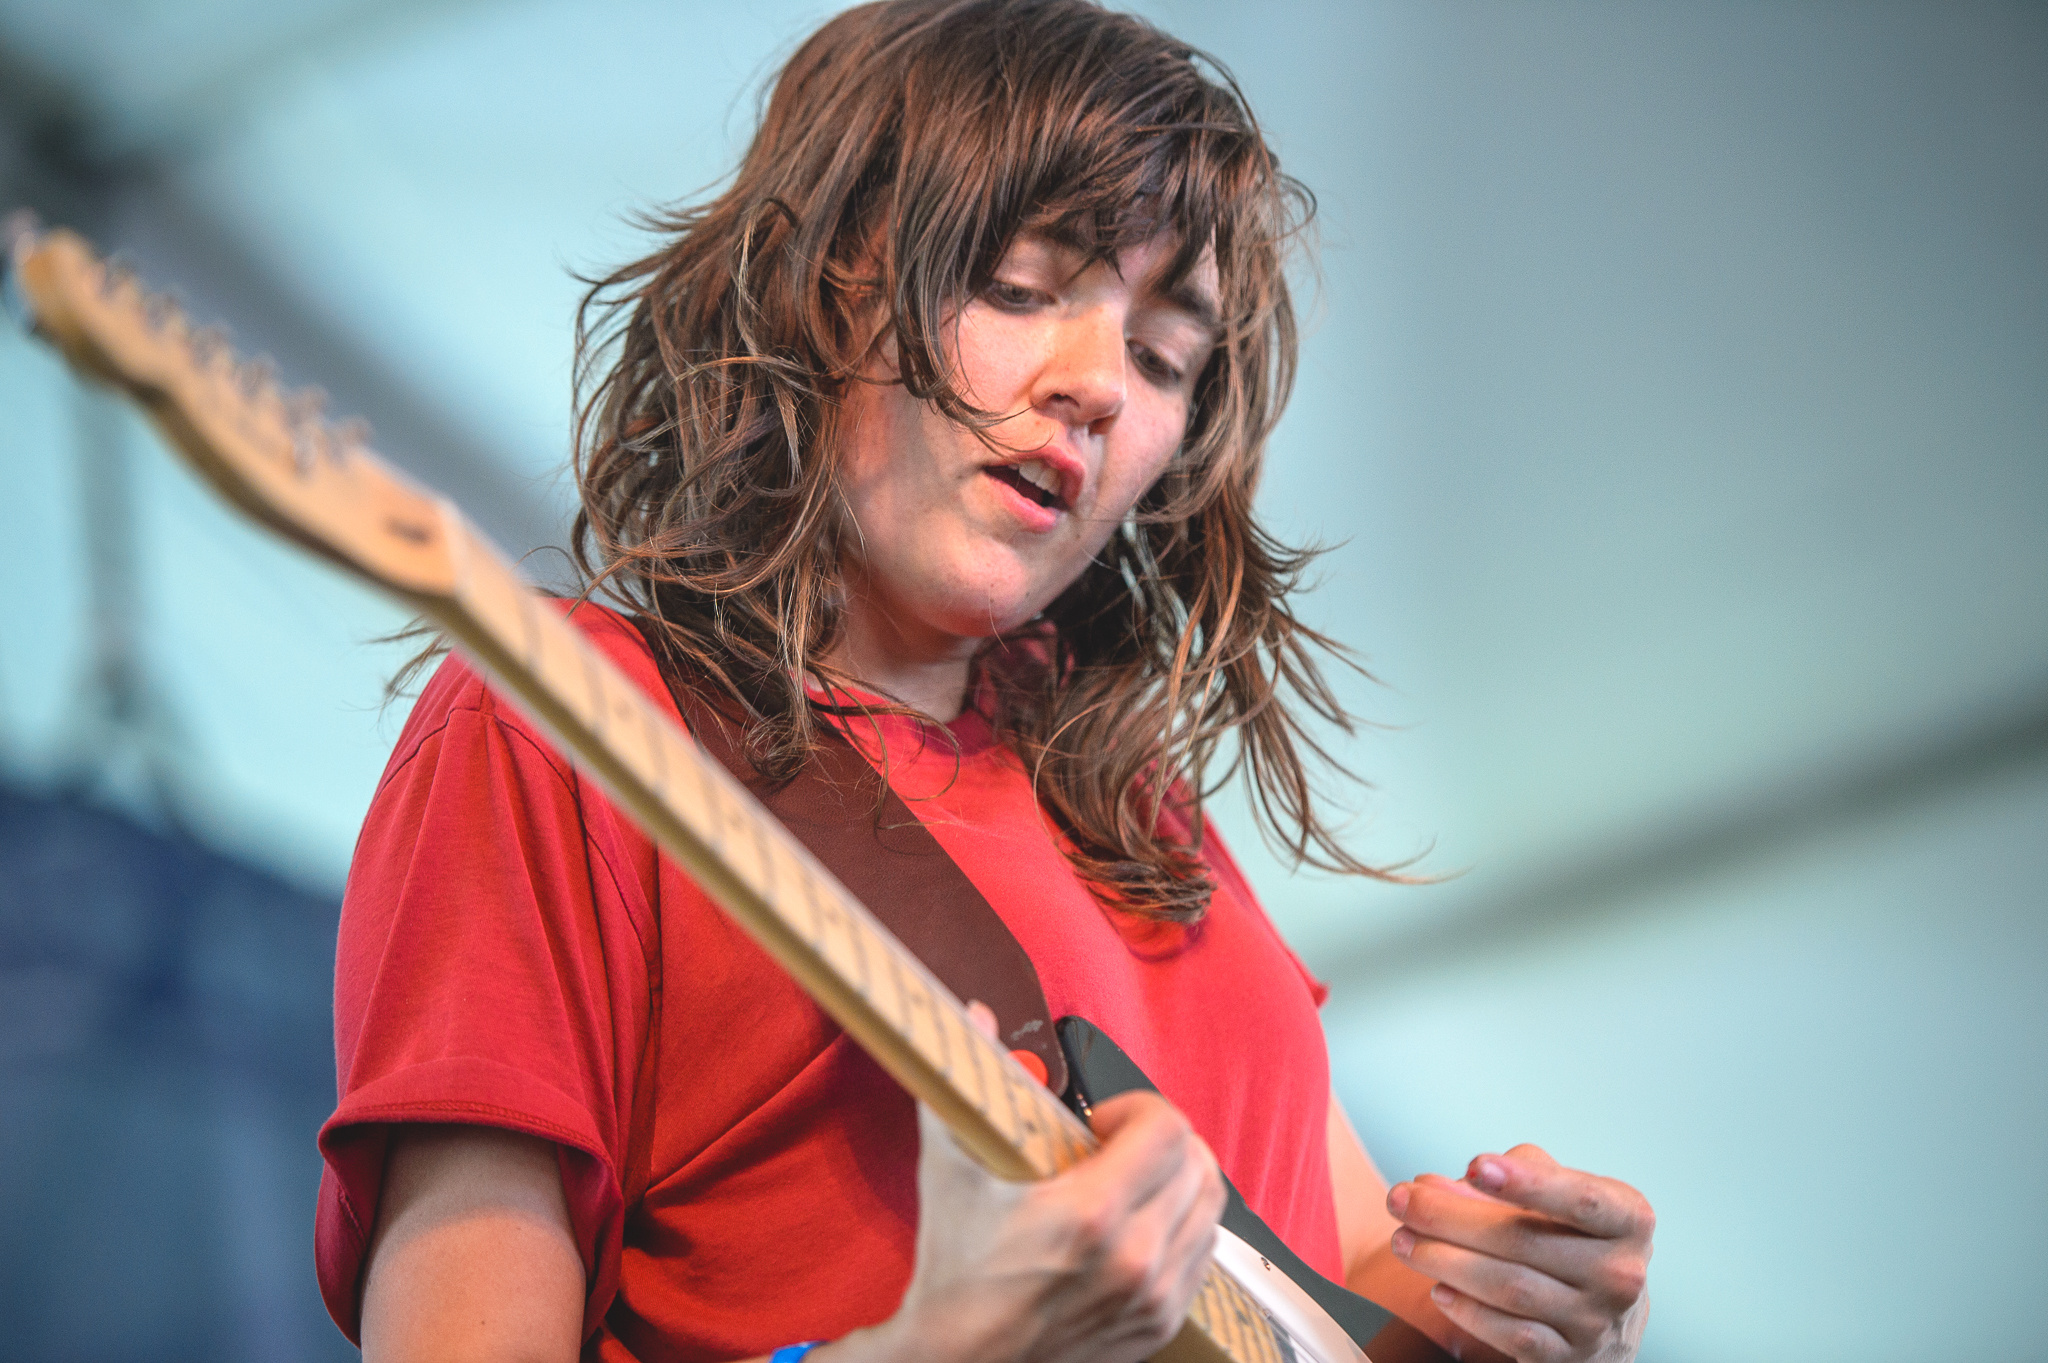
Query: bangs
1105,134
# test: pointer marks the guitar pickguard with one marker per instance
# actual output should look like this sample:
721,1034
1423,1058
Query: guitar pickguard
1098,1069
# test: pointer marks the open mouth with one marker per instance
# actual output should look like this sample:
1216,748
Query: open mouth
1018,476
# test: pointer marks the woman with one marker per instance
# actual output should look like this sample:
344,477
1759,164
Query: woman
940,427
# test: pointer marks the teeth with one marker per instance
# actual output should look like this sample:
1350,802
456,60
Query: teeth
1040,474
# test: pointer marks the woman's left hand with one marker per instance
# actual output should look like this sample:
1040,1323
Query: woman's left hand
1544,1263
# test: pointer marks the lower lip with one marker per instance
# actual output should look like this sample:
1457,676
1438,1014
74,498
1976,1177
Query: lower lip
1034,516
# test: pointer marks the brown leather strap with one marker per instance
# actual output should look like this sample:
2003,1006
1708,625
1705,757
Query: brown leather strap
839,806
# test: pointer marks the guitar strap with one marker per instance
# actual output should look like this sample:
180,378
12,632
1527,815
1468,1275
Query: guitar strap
840,808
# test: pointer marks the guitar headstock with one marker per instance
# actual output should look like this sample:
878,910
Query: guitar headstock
268,450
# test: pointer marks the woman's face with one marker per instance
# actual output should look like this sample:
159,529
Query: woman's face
959,537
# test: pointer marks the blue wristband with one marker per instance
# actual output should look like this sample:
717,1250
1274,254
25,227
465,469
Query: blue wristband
793,1353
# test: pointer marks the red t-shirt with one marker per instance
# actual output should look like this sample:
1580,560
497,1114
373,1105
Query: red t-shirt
513,953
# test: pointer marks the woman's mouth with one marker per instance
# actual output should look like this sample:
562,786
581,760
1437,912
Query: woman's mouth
1034,479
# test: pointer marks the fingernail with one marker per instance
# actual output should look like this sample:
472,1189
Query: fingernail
1403,1241
1441,1295
1489,1174
1397,1200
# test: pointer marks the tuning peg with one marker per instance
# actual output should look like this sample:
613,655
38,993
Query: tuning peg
18,232
350,434
117,277
305,406
210,347
162,311
257,378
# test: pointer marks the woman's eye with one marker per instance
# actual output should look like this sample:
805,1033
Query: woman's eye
1010,297
1156,366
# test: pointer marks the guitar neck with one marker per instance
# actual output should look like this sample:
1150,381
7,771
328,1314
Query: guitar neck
744,858
319,486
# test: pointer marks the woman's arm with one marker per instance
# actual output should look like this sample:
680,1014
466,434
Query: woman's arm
1365,1229
472,1258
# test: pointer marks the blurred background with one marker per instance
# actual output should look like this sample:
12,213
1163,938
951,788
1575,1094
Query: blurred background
1675,401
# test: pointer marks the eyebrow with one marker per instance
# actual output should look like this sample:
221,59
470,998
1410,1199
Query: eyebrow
1197,304
1183,295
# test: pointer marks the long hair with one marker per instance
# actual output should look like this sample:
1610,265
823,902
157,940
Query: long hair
902,149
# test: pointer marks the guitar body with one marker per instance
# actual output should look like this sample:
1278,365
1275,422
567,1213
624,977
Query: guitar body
1322,1321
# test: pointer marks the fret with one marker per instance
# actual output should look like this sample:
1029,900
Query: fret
1033,1137
1067,1137
685,762
864,941
557,664
982,1061
900,1017
917,1015
1252,1325
1229,1323
493,601
764,851
593,685
812,887
943,1051
1006,1084
710,821
1047,1131
734,829
1065,1146
1202,1312
829,910
530,637
835,941
1230,1314
1257,1328
655,739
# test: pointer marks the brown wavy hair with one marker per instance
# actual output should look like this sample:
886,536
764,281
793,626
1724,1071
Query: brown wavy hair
902,149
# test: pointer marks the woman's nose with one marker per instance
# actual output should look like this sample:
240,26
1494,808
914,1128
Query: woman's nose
1083,381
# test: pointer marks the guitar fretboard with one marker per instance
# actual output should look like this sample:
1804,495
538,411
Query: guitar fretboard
758,872
319,486
769,882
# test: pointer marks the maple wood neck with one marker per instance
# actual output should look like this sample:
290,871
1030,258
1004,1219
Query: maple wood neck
849,963
755,869
319,485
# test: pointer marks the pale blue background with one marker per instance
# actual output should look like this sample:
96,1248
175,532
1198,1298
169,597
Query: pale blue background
1675,394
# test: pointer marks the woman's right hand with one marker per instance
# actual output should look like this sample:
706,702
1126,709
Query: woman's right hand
1099,1264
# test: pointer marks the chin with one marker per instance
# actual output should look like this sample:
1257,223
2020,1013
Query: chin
987,613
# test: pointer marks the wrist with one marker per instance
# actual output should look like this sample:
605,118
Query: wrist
904,1336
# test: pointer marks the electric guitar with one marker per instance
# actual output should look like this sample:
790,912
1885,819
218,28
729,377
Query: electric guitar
317,484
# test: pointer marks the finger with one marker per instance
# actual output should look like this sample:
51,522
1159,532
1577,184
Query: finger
1193,1239
1534,1154
1598,1206
983,1017
1174,1228
1449,1211
1195,1260
1460,1187
1526,1341
1164,1250
1145,1144
1513,1288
